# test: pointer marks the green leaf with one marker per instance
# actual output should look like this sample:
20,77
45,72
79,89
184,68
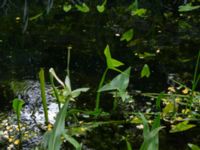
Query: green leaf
68,83
128,35
128,145
52,72
151,138
67,7
100,8
111,63
183,126
73,141
187,7
83,8
193,147
54,140
119,83
145,71
139,12
133,6
77,92
147,144
17,106
35,17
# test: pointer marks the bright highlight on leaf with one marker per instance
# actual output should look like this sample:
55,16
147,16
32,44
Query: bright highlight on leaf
17,106
111,62
145,71
183,126
187,7
67,7
128,35
83,8
101,8
193,147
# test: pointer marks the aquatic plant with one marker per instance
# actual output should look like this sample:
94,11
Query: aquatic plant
52,140
17,106
151,138
43,95
112,64
118,86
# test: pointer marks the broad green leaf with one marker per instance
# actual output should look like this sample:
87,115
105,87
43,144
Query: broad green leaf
111,63
73,141
17,106
83,8
67,7
145,71
139,12
193,147
187,7
119,83
54,141
77,92
128,35
183,126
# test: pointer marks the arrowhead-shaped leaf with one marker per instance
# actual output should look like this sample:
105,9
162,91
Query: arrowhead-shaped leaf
111,63
128,35
119,83
145,71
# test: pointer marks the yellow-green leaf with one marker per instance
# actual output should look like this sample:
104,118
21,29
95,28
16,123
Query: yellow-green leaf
128,35
145,71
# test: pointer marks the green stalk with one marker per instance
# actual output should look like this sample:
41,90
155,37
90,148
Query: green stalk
42,88
195,79
99,93
115,102
55,90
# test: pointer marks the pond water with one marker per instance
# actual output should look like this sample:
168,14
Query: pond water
168,45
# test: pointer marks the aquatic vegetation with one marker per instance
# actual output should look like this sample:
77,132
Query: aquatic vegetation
43,95
112,64
17,106
118,86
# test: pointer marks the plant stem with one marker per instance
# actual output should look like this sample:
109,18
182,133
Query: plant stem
99,93
55,90
42,87
115,102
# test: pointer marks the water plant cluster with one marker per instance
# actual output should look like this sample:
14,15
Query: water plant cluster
177,110
117,116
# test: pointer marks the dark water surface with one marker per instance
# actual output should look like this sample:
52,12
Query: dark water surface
47,40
